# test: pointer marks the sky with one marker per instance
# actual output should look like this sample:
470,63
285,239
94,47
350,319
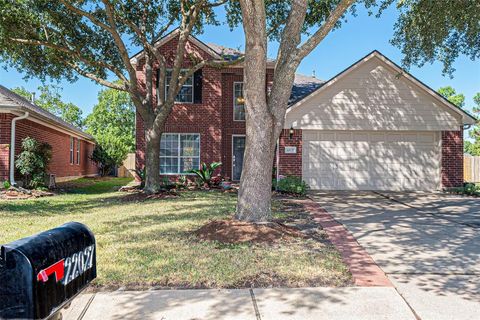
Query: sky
342,47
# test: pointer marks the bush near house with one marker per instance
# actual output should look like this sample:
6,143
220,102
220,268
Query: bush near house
469,189
33,161
205,174
292,185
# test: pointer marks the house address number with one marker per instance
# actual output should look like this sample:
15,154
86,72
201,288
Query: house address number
290,149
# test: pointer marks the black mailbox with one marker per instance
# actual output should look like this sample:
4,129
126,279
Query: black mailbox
40,274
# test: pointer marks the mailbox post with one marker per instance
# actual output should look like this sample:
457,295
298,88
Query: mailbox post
41,274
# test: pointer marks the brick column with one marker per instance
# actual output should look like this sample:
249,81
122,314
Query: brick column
291,163
452,158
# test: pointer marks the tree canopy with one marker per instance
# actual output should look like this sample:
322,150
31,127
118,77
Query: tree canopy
98,39
50,99
473,148
451,95
112,124
425,31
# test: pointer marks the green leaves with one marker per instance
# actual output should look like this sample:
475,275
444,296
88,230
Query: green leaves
451,95
429,30
51,100
205,172
112,124
32,162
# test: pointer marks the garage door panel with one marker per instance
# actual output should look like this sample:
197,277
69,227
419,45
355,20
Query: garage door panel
363,160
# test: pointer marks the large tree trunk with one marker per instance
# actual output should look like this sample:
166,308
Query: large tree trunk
152,160
254,197
255,193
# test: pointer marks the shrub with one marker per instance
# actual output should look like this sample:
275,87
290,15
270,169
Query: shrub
293,185
470,189
181,182
204,174
32,162
6,184
103,160
166,184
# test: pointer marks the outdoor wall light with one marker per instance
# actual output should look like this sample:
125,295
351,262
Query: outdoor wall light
290,133
240,100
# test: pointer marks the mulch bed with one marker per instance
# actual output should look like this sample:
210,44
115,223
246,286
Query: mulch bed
21,194
234,231
297,223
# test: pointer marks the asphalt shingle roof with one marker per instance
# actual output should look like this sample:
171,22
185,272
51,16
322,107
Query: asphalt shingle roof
303,86
9,98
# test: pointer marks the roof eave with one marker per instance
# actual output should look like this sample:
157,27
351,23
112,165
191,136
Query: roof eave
17,108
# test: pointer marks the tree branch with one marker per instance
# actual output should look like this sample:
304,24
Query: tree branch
119,42
86,14
327,26
73,53
95,78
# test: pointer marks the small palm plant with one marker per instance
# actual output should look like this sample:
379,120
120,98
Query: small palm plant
205,172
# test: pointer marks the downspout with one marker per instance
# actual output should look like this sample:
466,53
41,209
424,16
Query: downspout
12,147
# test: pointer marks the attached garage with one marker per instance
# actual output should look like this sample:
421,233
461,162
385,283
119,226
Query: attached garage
371,160
375,127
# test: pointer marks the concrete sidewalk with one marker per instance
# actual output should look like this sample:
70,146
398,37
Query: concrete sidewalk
272,304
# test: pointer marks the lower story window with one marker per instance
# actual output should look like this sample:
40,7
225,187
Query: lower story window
179,152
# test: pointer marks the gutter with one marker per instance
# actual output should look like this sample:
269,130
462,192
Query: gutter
12,147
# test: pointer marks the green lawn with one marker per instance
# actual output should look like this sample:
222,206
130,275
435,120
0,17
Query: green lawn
150,243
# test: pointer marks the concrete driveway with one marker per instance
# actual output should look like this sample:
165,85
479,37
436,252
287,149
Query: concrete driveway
428,244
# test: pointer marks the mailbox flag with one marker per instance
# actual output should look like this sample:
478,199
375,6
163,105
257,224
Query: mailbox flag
58,268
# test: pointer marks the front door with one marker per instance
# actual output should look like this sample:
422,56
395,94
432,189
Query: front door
238,149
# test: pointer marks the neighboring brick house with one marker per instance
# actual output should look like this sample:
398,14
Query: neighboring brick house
371,127
71,147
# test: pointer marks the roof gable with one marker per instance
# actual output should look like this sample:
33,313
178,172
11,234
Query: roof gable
399,72
167,38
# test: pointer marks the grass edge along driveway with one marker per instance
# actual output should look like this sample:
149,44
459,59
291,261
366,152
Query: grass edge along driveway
150,243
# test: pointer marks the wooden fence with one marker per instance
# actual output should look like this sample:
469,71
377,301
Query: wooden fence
471,168
127,169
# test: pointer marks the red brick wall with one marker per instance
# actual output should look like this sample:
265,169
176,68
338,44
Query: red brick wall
230,127
452,158
290,164
204,118
212,119
60,164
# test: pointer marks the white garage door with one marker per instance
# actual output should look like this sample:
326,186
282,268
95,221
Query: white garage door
371,160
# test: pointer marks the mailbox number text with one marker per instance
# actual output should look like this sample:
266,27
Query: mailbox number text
78,263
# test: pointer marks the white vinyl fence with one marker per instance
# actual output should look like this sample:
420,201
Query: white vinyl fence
471,168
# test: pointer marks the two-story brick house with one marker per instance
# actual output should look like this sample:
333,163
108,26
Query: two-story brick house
372,126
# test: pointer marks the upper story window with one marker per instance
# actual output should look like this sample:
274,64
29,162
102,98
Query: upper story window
185,95
179,152
238,102
71,149
78,151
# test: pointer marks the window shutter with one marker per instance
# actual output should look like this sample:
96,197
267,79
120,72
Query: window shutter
197,86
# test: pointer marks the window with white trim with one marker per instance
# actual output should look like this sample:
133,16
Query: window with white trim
179,152
238,102
185,95
78,151
71,149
